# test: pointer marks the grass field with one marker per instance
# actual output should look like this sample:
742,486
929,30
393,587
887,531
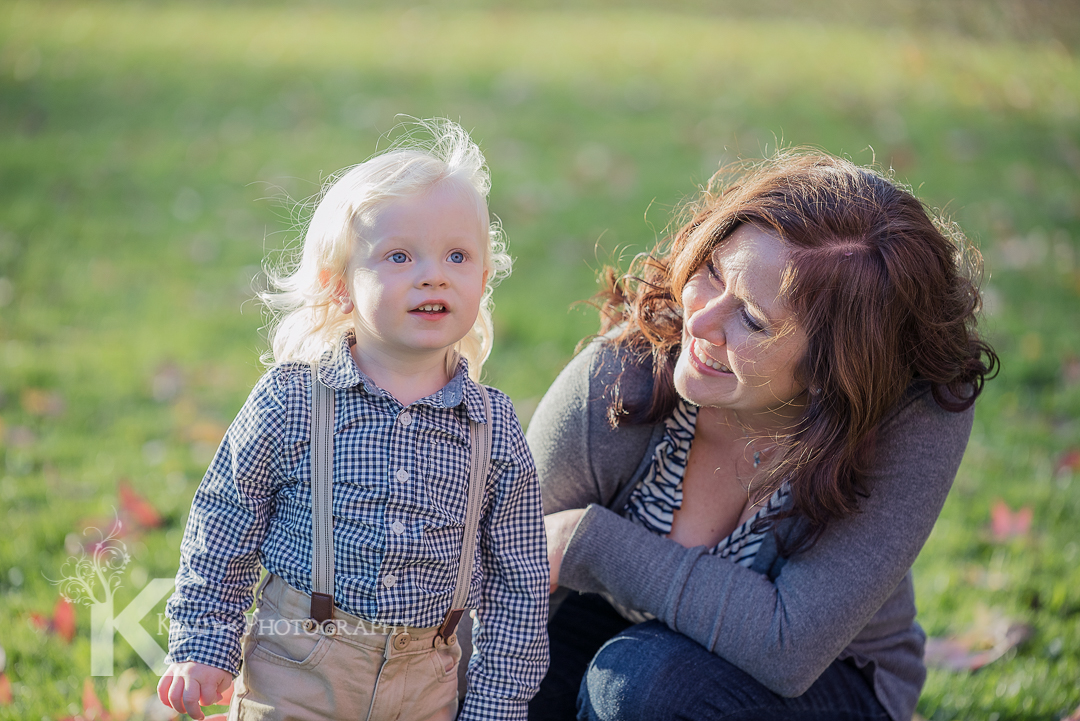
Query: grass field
151,156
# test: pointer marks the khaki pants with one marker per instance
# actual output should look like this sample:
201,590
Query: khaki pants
292,673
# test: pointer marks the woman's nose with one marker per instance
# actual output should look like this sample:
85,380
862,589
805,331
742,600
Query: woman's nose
707,322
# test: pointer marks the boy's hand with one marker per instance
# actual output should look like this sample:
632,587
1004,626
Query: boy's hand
185,687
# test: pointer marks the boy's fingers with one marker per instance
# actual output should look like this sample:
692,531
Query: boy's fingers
210,695
176,694
163,689
191,699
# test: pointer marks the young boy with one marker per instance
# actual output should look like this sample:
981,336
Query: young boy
391,302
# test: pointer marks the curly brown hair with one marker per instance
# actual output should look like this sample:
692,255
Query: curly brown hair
885,291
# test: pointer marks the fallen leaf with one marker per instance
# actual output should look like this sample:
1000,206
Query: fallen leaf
990,637
120,695
1070,460
92,708
5,690
141,511
62,621
1070,370
38,402
206,431
1006,523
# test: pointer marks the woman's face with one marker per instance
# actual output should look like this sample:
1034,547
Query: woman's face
739,352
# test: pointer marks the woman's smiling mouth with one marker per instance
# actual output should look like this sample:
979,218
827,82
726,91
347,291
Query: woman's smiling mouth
706,360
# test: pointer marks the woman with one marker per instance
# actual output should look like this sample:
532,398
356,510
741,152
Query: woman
741,471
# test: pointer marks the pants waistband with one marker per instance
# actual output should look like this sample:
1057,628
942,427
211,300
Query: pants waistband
295,605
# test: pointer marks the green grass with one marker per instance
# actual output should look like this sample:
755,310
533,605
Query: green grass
149,154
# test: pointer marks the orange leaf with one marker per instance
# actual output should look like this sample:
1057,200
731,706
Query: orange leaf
5,690
64,619
136,506
1006,524
38,402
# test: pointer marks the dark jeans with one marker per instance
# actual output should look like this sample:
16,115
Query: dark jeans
605,669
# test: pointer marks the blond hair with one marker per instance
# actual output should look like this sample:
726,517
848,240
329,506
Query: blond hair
305,322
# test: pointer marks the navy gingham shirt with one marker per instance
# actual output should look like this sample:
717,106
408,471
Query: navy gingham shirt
400,477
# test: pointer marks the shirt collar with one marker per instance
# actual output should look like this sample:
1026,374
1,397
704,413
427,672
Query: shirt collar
339,371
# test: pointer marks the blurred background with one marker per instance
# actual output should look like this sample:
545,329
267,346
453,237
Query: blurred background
153,154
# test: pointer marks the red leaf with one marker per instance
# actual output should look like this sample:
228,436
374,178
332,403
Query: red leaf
62,622
5,690
138,508
1006,524
64,619
1070,459
91,703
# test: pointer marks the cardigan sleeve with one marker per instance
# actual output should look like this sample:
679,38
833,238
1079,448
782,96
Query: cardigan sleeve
785,632
580,458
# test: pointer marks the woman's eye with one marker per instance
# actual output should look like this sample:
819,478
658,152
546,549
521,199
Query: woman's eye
751,323
713,272
457,257
398,257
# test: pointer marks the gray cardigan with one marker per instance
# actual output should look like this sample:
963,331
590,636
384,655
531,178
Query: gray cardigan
783,621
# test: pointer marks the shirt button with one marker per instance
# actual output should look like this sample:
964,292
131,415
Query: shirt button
405,418
389,581
398,528
402,475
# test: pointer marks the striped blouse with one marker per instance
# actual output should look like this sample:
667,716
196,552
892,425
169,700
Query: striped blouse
659,494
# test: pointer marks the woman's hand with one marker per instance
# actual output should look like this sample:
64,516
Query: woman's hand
187,686
560,526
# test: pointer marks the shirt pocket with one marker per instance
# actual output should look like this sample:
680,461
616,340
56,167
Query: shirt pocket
445,465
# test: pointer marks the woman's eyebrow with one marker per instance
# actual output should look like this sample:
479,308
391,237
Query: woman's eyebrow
748,300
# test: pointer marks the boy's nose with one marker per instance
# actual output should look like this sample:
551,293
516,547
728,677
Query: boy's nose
431,276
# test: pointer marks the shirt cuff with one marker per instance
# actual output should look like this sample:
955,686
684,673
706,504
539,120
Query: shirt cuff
485,708
215,645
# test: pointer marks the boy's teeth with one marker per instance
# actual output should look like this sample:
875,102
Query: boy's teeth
432,308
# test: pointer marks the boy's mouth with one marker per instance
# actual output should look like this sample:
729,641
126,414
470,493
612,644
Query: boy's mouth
430,308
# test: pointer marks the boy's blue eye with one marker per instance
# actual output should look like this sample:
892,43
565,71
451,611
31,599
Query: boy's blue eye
398,257
457,257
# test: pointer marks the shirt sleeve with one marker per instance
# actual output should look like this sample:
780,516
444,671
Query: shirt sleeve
511,648
219,554
822,598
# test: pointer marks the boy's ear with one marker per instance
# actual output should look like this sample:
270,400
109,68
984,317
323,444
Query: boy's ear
339,296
